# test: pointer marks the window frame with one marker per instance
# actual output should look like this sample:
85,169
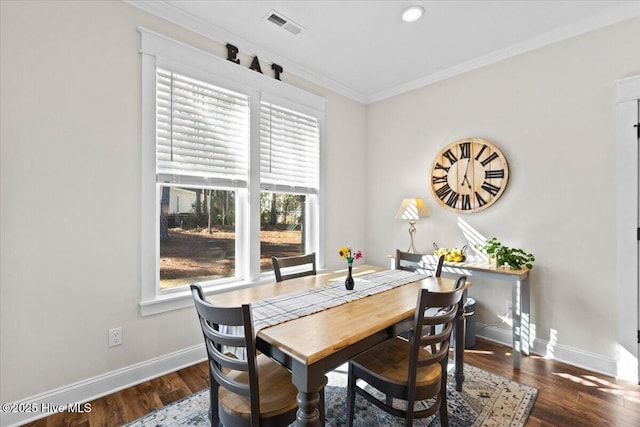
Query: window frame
160,51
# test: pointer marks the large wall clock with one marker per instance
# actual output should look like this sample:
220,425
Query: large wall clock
469,175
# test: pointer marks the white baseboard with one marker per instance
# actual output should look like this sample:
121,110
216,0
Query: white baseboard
569,355
43,404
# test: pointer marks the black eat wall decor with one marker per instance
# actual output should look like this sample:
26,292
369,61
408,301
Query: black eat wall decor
232,55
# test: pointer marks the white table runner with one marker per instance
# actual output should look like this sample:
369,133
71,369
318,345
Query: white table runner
303,303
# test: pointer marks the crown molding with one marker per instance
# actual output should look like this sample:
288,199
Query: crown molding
197,25
622,14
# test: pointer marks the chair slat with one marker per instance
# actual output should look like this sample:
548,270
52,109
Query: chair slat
420,263
280,264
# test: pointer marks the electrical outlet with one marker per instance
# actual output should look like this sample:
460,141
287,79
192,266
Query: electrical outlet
508,304
115,336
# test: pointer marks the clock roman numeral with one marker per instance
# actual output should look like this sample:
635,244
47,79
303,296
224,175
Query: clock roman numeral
498,173
443,191
488,159
439,179
484,147
465,150
490,188
480,200
466,202
449,155
453,199
439,166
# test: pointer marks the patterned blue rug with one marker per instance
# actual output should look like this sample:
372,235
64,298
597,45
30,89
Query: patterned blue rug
486,400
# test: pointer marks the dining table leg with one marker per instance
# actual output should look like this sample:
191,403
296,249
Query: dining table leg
309,383
308,413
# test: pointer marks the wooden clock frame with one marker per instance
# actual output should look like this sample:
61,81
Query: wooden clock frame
469,175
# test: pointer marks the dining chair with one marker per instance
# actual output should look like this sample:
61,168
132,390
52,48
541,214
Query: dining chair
418,262
294,266
255,391
410,370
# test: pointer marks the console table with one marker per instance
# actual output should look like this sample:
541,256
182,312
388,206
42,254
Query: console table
519,280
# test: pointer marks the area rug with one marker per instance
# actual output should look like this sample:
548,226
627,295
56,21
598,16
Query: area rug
486,400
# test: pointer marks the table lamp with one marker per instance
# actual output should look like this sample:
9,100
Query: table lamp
413,210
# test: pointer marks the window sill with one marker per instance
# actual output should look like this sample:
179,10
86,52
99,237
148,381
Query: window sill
182,299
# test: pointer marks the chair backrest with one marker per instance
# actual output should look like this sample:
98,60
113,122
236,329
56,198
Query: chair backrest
420,263
215,322
294,266
434,309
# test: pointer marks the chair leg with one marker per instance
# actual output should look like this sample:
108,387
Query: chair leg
409,412
444,413
214,418
213,401
351,396
389,400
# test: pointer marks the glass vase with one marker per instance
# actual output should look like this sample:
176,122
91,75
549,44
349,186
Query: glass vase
349,282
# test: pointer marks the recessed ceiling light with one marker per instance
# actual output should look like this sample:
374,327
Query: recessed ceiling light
412,13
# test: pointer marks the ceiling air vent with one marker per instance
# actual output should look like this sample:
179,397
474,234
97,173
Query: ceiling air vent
283,22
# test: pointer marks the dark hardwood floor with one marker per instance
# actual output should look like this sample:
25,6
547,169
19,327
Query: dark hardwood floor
567,396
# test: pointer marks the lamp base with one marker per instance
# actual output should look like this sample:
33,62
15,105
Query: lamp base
412,232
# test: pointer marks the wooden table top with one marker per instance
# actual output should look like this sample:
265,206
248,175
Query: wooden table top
313,337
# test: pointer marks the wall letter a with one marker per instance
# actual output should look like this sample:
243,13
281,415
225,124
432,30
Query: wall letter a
255,65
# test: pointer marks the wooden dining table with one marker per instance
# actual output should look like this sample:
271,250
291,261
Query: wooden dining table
312,345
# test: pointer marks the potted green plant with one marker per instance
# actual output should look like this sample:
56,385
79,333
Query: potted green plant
515,258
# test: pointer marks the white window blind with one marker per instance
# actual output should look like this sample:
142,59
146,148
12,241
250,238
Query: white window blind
289,150
202,132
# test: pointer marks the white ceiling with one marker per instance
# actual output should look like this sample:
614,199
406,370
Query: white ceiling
363,49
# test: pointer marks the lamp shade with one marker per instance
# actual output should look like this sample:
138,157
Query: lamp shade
412,209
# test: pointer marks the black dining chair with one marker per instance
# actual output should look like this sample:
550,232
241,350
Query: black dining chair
410,261
255,391
410,370
294,266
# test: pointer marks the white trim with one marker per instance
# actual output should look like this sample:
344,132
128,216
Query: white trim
252,216
149,222
628,89
562,353
627,221
102,385
182,298
172,14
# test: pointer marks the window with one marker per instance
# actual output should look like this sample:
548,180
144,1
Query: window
282,226
197,235
202,140
289,177
230,174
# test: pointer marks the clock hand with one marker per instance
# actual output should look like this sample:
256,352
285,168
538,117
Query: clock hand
464,178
